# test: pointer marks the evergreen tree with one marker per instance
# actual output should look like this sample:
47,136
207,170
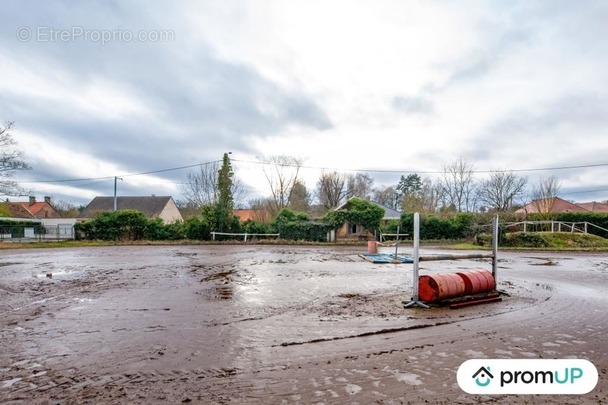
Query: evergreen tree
225,202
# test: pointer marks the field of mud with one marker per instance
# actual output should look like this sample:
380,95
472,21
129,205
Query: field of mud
279,324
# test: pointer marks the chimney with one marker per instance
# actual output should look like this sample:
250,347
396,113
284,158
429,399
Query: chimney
32,200
47,199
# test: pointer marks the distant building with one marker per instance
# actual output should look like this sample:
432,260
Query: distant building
557,205
259,215
594,206
162,207
31,209
352,231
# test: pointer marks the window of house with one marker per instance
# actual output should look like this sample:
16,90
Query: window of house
353,228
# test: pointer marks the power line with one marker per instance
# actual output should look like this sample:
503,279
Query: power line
96,179
586,191
172,169
122,175
425,172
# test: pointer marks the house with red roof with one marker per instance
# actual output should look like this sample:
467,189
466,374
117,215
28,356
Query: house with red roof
594,206
556,205
31,209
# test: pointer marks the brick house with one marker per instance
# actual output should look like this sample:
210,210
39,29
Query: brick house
31,209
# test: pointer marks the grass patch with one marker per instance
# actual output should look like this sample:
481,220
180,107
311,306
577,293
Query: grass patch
565,240
543,241
512,241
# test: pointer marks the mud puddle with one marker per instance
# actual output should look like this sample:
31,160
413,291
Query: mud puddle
221,324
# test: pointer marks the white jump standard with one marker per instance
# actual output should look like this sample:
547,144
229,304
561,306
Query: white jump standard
417,259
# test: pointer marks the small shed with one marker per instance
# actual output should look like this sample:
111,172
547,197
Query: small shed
352,231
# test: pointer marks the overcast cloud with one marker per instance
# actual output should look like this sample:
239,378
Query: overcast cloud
107,88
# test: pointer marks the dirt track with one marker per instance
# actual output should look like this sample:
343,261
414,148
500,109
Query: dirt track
267,324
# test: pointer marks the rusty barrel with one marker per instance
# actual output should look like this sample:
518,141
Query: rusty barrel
372,247
477,281
440,286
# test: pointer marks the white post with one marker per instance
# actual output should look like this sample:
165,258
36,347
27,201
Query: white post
115,179
397,243
495,247
416,254
415,299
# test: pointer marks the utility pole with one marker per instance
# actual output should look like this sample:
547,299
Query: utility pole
115,198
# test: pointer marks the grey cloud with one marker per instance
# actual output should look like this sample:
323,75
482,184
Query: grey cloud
413,105
203,105
584,110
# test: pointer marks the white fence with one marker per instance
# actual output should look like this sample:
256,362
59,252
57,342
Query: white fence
553,226
244,235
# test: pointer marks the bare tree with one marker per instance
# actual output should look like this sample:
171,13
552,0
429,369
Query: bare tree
425,197
458,185
359,185
299,198
66,209
387,196
202,188
282,174
501,189
432,195
11,160
545,194
331,189
263,209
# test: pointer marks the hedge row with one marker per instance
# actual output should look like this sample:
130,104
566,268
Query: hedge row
459,226
128,225
133,225
468,225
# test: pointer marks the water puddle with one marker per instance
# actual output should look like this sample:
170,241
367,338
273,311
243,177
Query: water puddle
61,274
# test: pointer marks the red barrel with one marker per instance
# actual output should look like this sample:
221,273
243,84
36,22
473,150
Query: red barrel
372,247
440,286
477,281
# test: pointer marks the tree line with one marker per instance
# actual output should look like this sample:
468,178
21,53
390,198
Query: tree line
454,190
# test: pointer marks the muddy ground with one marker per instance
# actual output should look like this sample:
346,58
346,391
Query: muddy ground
269,324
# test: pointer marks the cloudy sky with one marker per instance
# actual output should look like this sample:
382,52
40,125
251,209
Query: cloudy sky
99,89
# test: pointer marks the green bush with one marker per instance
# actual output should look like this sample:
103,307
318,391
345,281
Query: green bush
126,225
524,239
293,225
157,230
219,220
197,228
304,230
597,218
119,225
456,226
360,212
251,226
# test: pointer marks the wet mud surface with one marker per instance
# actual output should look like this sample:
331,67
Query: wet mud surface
271,324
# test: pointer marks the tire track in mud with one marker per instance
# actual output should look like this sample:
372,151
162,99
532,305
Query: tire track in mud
30,378
385,365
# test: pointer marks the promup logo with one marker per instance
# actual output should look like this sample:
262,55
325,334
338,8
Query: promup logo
484,374
526,376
